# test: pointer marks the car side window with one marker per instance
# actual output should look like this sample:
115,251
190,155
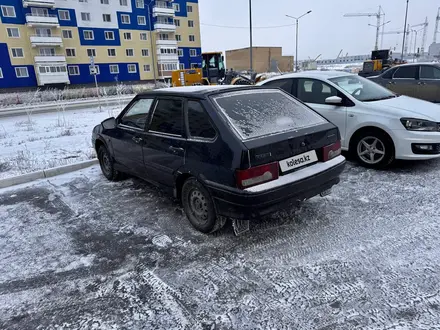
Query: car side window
199,124
136,116
168,117
388,74
429,72
406,72
284,84
314,91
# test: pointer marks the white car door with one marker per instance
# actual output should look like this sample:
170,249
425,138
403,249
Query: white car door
314,92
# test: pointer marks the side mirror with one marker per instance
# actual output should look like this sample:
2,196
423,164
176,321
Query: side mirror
109,123
334,100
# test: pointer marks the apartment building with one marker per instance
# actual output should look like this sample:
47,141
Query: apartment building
44,42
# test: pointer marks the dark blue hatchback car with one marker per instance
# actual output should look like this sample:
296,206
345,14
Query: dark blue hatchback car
223,151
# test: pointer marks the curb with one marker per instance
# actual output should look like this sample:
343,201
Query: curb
51,172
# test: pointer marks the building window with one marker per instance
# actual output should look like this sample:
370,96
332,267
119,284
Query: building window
191,24
1,73
147,68
177,22
129,52
111,52
21,72
123,2
189,9
104,2
17,52
67,34
127,35
85,17
94,69
178,37
194,65
193,52
114,68
73,70
8,11
163,36
47,51
109,35
83,1
106,17
64,15
143,36
139,3
192,38
13,32
141,20
91,52
176,7
42,32
70,52
182,66
180,52
88,35
125,19
131,68
145,53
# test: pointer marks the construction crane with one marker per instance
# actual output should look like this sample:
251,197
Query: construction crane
408,32
425,34
339,54
378,15
437,20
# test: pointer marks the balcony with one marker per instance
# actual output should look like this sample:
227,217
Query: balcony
38,40
167,57
52,78
170,42
50,59
163,10
34,19
165,27
39,3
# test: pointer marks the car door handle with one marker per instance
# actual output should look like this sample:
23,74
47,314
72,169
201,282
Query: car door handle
137,139
176,149
422,83
350,115
391,83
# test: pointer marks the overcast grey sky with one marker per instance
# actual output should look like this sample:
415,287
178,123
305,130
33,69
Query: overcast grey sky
325,31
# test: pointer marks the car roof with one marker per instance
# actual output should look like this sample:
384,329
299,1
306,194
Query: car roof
418,63
194,91
312,74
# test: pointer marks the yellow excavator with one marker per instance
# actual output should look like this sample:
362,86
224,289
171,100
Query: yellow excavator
212,72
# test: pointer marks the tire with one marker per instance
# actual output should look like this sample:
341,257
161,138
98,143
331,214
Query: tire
107,164
373,149
199,207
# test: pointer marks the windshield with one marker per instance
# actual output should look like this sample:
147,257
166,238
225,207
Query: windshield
362,89
255,113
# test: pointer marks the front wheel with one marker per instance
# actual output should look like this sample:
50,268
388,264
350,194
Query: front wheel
199,207
373,149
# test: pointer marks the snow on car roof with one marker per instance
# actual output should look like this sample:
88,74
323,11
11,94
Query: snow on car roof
197,89
310,74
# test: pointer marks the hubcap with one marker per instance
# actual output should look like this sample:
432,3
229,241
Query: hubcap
105,163
198,206
371,150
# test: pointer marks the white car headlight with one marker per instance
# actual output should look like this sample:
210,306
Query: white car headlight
412,124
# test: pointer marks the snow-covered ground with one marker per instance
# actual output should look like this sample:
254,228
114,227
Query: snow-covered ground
48,140
79,252
347,67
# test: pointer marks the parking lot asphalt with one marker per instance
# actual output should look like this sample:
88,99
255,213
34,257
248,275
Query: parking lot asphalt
79,252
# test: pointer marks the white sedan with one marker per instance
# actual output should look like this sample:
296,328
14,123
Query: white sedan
376,125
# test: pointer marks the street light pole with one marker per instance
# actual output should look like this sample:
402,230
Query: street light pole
250,36
404,31
297,28
151,44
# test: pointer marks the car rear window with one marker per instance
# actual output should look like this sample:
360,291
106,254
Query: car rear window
255,113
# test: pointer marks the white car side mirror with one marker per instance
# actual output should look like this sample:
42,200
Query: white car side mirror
335,100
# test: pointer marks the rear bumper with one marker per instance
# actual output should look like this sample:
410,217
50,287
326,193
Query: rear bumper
269,197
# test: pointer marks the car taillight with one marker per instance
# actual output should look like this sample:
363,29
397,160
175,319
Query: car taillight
331,151
256,175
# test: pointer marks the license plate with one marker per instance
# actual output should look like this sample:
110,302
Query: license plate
298,161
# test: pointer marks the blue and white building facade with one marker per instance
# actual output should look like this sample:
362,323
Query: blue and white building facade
44,42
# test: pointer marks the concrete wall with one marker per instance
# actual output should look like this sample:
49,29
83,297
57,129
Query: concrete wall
265,59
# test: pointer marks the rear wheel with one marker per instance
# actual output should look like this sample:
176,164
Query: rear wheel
107,164
199,207
373,149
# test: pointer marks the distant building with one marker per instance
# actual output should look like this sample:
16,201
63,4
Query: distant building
45,42
434,50
265,59
345,59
